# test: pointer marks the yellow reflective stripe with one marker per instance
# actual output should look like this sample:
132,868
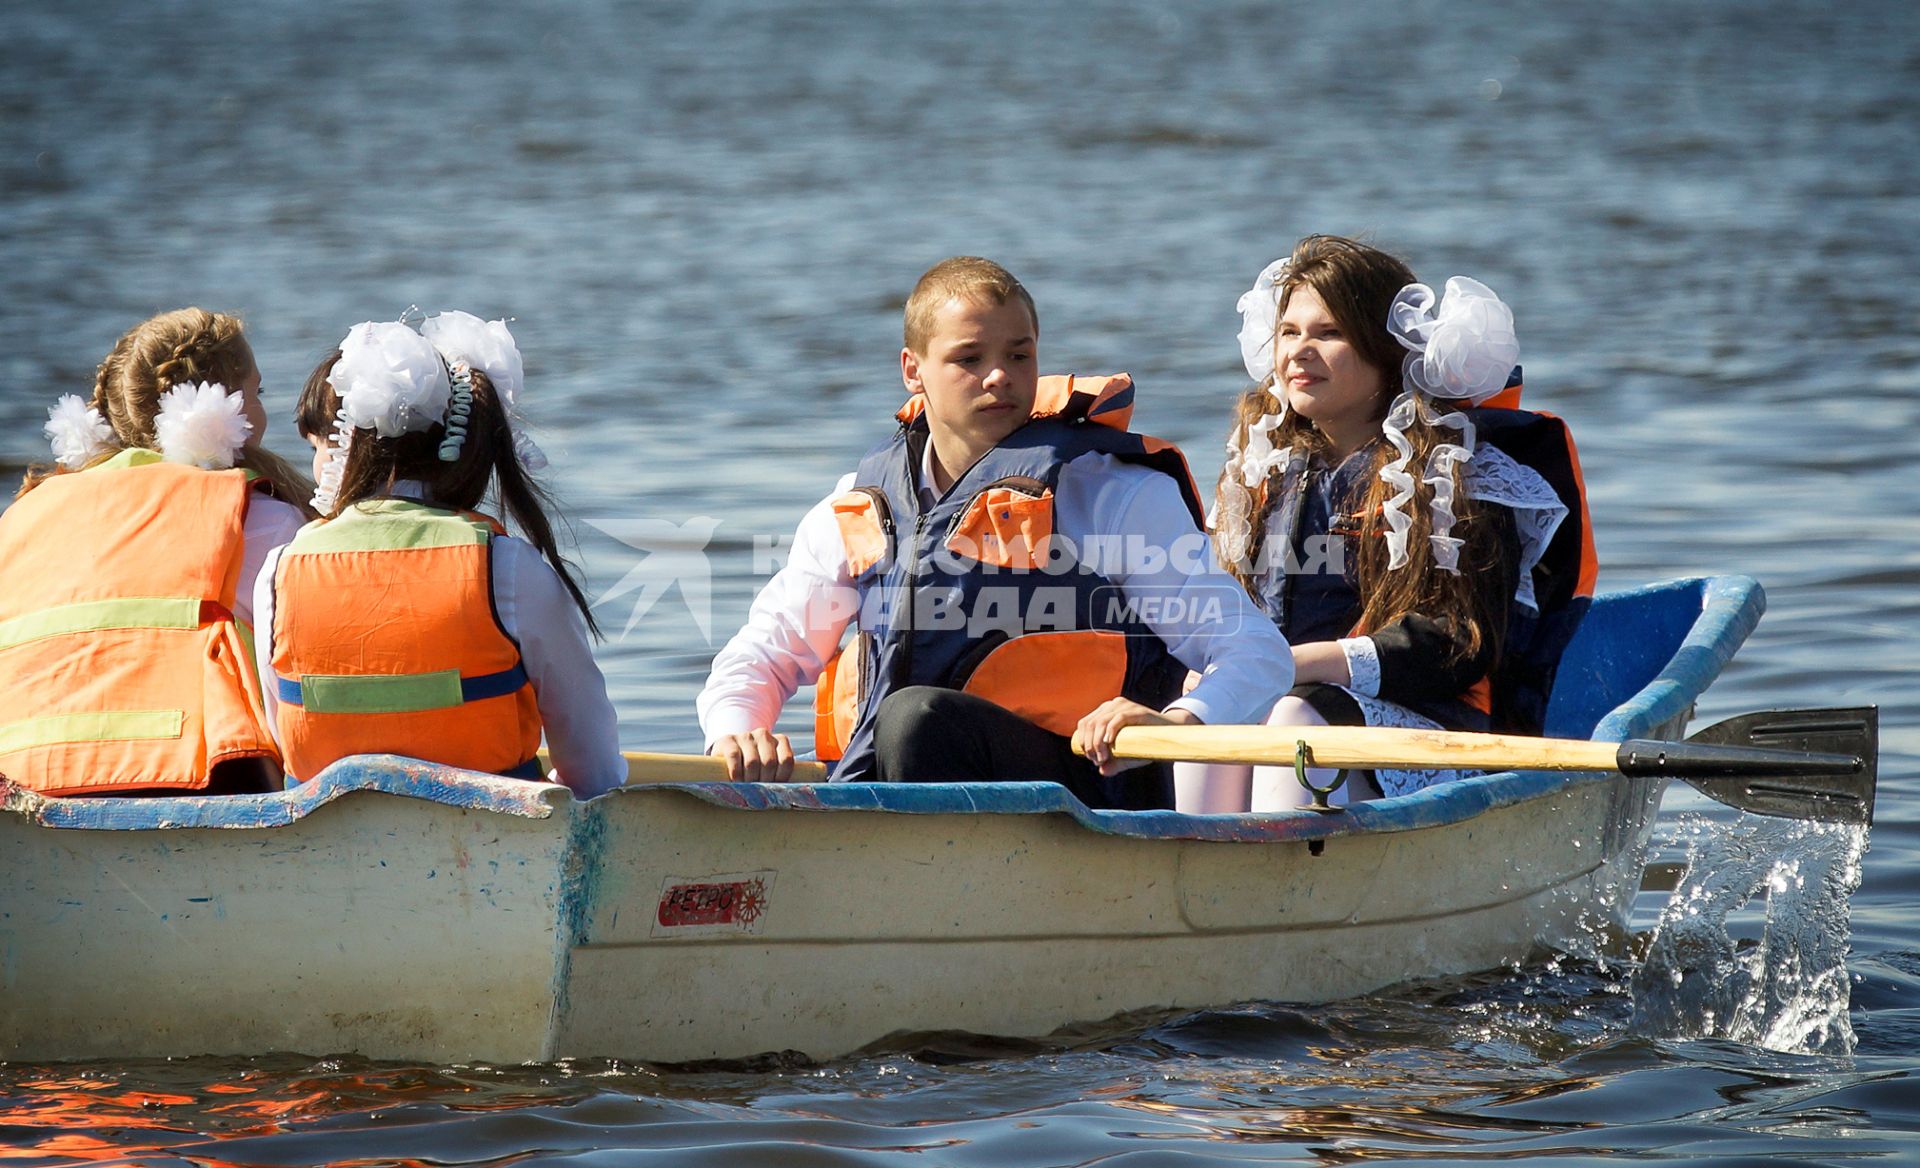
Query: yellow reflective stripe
388,525
399,693
93,726
133,612
130,457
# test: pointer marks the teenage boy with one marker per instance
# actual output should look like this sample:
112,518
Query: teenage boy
1020,571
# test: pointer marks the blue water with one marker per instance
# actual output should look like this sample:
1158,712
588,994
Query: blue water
703,218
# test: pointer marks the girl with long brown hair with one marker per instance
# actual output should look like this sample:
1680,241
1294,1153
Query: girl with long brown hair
1357,509
407,622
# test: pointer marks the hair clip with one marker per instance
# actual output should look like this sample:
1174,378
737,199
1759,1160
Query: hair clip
459,412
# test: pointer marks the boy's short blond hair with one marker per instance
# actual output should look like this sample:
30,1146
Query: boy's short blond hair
960,278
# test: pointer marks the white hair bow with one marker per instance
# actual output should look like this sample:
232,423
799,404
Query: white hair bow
1463,350
78,432
488,346
1260,318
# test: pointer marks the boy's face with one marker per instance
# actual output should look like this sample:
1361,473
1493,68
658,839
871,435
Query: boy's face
979,371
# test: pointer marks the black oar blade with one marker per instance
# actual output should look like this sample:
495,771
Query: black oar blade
1797,764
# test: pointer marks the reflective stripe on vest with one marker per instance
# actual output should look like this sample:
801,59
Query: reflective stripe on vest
124,666
385,641
400,693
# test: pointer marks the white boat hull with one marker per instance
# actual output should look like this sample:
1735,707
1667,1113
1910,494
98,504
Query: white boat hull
401,910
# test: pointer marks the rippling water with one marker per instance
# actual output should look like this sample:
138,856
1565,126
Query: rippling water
704,216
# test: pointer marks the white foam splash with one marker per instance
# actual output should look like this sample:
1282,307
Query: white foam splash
1785,991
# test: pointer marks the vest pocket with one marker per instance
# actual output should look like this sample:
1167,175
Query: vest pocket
1007,524
1051,679
866,527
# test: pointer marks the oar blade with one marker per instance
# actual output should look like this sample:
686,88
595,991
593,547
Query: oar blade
1805,792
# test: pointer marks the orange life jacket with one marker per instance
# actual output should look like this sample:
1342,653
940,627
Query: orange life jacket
121,664
385,642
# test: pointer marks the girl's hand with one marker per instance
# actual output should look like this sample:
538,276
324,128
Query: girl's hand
1094,735
758,756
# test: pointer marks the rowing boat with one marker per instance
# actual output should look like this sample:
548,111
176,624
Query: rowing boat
399,909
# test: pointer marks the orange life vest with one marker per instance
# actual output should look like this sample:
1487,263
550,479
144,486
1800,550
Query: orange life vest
121,664
385,642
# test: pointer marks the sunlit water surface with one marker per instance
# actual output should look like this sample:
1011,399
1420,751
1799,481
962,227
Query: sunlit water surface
704,216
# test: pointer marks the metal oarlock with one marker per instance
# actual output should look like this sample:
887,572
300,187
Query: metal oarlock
1302,759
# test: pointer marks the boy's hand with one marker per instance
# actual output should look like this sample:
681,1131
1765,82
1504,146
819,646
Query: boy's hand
758,756
1094,736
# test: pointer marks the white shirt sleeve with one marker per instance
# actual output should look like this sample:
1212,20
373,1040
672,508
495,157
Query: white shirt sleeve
263,636
1166,569
537,611
792,631
269,524
1363,665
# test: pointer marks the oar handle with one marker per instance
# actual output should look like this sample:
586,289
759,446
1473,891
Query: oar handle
643,767
1363,746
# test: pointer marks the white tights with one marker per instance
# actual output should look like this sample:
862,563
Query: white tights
1202,788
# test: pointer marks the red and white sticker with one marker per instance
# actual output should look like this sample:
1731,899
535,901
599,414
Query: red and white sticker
728,903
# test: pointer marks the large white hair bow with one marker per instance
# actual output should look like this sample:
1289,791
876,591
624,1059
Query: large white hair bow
1259,319
1465,348
488,346
202,425
390,379
78,432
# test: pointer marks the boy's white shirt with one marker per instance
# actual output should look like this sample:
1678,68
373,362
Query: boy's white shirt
779,649
537,612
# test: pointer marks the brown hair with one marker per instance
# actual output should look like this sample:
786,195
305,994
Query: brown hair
1357,283
959,278
173,348
374,464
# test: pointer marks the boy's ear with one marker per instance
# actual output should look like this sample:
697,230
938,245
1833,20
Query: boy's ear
910,370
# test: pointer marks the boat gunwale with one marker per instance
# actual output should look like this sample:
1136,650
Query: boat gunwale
1730,607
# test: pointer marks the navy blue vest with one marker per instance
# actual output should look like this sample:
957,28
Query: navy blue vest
1323,603
930,615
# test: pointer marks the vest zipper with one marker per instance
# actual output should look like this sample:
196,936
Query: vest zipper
905,669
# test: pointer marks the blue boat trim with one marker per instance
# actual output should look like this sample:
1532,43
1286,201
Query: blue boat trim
1626,635
389,773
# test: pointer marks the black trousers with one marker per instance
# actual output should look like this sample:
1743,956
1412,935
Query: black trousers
925,734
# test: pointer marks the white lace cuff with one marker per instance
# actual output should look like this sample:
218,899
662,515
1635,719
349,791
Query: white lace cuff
1363,665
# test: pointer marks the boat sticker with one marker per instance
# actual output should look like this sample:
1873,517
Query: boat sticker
732,902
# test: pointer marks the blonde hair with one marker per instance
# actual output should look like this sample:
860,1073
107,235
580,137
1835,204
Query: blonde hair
959,278
175,348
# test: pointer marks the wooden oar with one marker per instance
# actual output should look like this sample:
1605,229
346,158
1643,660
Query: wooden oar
643,767
1797,764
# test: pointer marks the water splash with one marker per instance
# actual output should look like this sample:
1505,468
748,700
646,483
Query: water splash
1787,990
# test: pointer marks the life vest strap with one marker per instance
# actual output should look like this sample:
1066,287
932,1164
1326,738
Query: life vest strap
530,769
398,693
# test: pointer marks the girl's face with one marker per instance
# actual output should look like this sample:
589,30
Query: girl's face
1323,375
320,452
256,412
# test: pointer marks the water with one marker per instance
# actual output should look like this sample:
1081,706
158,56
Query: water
704,216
